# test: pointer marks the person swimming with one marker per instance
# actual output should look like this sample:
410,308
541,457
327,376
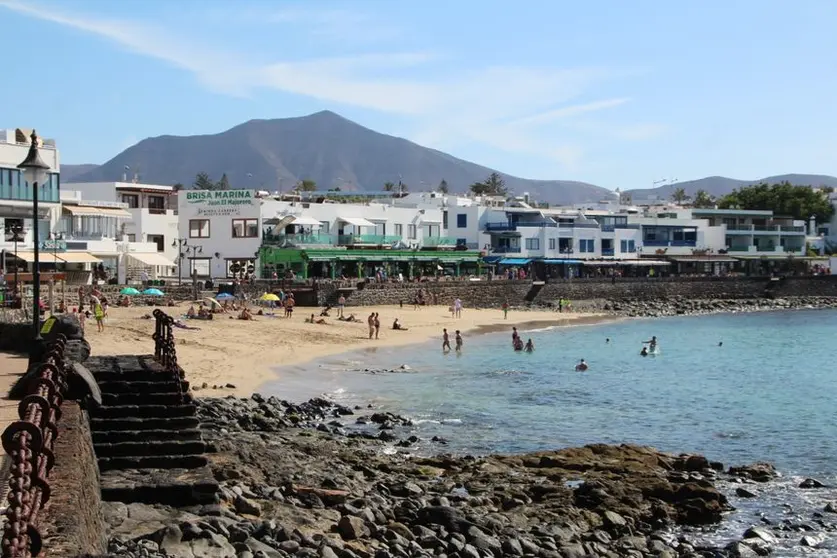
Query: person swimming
644,351
581,366
530,347
607,340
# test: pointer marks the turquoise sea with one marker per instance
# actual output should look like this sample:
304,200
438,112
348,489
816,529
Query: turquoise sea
768,392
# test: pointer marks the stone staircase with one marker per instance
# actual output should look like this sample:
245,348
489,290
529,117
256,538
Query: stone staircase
146,434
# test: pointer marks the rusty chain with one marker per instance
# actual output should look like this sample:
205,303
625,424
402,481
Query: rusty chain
164,346
29,443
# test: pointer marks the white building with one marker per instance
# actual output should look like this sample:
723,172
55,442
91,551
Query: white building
225,229
153,211
16,218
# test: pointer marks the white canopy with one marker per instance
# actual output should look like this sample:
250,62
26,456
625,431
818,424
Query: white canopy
358,221
302,220
152,258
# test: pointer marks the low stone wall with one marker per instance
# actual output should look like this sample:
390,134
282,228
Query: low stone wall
492,294
73,523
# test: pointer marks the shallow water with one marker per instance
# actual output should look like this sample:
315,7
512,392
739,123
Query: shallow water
768,393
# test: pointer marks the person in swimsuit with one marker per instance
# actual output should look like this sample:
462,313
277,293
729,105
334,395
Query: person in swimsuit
458,340
581,366
530,347
445,341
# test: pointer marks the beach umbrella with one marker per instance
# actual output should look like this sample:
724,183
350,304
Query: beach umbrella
130,291
270,296
152,292
224,296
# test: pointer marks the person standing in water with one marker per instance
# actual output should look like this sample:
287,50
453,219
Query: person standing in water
458,340
530,347
581,366
445,341
652,343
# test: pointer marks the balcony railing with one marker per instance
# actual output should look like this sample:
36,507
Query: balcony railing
438,242
740,228
505,249
669,243
367,239
312,239
611,228
608,252
500,227
792,229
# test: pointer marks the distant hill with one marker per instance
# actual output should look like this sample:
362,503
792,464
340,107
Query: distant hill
323,147
720,186
69,173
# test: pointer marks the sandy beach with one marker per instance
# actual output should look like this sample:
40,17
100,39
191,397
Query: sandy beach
246,353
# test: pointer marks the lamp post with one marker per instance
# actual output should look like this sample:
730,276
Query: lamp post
34,172
17,232
183,243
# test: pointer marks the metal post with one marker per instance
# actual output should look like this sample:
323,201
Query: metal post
36,274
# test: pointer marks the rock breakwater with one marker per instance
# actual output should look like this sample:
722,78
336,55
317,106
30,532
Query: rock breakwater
684,306
297,480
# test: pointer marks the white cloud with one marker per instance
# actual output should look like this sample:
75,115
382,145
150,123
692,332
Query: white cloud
485,105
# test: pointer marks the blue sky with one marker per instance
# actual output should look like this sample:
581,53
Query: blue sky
610,92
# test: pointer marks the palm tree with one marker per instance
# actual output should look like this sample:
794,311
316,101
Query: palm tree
389,186
679,195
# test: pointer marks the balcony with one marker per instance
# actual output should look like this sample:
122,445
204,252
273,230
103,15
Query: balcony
367,239
500,227
789,229
669,243
438,242
505,249
608,252
313,239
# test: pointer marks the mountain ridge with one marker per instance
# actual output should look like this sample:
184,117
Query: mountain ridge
333,151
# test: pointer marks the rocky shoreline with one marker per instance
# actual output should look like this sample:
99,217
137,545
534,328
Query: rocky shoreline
679,306
322,480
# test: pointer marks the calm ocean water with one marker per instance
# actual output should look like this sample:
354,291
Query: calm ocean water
768,393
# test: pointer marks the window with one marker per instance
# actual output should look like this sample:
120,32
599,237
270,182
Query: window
325,227
552,244
533,243
159,240
133,238
411,232
565,245
587,245
199,228
156,205
200,266
399,230
131,199
444,219
628,246
245,228
462,220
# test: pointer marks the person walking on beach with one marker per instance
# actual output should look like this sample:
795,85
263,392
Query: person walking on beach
99,312
341,303
445,341
458,340
370,321
377,324
457,308
506,310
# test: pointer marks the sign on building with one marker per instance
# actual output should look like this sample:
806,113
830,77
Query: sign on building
54,245
214,203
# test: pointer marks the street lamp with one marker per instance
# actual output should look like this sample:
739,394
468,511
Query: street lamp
35,172
184,244
17,236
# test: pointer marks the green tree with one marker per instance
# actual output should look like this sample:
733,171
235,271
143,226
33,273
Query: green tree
389,186
443,186
703,200
799,202
224,183
203,182
305,185
679,195
494,185
178,187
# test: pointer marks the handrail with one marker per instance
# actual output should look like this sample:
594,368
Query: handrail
164,346
29,443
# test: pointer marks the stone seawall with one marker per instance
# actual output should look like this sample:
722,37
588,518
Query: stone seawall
73,523
492,294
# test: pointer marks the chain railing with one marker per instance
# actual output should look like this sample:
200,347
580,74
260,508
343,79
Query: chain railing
29,443
164,346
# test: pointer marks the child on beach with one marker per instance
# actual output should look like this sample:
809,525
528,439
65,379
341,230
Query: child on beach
99,312
445,341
